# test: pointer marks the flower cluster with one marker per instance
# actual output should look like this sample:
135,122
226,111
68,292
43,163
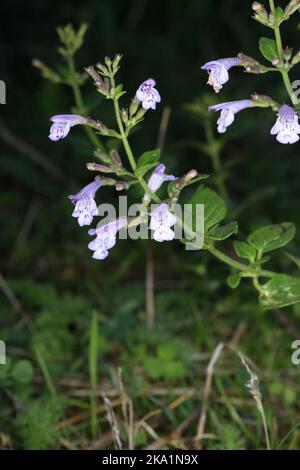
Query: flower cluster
161,218
286,127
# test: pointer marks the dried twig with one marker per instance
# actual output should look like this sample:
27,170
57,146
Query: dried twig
150,312
150,306
127,410
253,387
207,389
113,422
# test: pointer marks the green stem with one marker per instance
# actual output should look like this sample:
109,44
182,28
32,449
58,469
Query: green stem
79,102
93,370
216,160
284,73
237,265
128,148
45,372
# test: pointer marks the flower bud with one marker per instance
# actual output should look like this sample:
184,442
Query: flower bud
121,185
272,19
190,175
124,115
116,157
102,68
134,107
107,61
296,58
105,181
97,79
98,125
263,101
251,65
116,62
98,167
275,61
261,14
102,156
291,8
287,53
95,76
141,113
257,7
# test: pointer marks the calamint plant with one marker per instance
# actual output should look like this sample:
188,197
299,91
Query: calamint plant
118,167
286,127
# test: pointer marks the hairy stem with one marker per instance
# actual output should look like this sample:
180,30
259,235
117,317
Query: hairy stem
216,161
284,73
251,272
79,102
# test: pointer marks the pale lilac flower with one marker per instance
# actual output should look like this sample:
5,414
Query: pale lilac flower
105,237
157,178
85,205
147,94
228,110
286,127
218,71
62,124
161,222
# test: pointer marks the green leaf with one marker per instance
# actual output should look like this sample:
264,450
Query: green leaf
279,13
244,250
224,231
119,91
214,206
147,161
233,280
280,291
22,371
272,237
110,133
268,48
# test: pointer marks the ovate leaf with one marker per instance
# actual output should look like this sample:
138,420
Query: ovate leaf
245,251
279,13
272,237
222,232
214,206
280,291
147,161
233,280
268,48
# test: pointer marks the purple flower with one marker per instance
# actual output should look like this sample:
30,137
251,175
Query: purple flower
161,222
85,205
147,94
228,110
286,127
62,124
218,71
157,178
105,238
